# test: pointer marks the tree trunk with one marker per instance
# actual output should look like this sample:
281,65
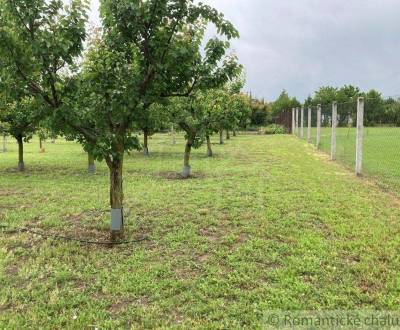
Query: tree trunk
173,135
41,145
91,164
4,143
209,149
221,137
53,140
116,197
21,164
228,135
234,133
145,142
186,162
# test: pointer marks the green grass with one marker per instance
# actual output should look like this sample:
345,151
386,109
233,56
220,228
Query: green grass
269,223
381,153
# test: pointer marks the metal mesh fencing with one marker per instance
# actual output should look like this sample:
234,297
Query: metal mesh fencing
301,131
314,115
322,142
381,147
326,128
346,132
379,153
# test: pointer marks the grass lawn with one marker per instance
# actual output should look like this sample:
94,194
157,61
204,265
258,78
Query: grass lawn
381,153
269,223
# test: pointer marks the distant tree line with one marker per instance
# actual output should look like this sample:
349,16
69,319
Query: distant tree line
378,109
264,113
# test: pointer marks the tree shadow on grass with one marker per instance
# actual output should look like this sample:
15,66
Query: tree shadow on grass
156,154
170,175
53,171
88,227
172,155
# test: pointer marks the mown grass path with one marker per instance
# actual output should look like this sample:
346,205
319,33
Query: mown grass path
268,224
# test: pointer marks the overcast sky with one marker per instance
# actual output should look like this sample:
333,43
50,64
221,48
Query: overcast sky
299,45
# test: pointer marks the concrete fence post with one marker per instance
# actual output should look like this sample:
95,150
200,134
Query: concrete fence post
297,121
360,135
319,126
334,125
302,123
293,122
309,125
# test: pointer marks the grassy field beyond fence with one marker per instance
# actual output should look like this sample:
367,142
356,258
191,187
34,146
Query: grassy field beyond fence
381,152
269,223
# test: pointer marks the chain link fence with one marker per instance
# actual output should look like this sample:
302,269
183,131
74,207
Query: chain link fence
381,151
346,133
377,136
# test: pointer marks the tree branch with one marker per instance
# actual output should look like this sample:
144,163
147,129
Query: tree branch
21,18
